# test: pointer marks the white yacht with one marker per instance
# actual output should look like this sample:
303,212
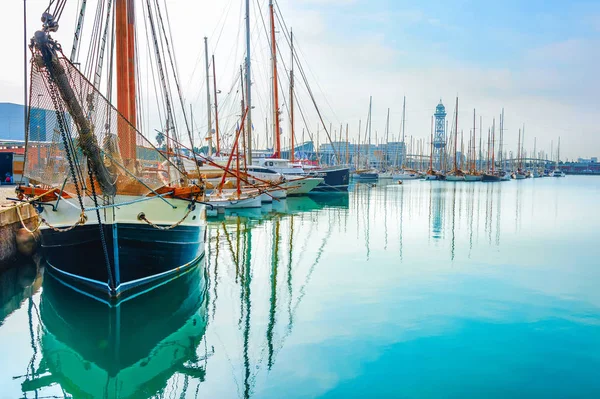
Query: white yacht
296,180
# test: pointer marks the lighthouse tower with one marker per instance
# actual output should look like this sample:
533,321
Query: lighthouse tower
439,140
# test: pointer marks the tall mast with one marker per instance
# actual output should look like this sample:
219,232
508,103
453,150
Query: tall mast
387,136
248,88
403,123
243,127
358,145
368,161
208,104
131,66
455,133
462,149
123,17
523,146
216,106
472,147
502,158
519,149
403,116
292,96
493,144
535,148
488,150
370,121
480,136
25,55
347,144
276,130
431,151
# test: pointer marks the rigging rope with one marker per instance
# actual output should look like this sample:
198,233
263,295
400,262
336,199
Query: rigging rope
59,112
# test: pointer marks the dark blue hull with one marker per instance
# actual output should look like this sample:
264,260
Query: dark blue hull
336,180
138,255
367,176
490,178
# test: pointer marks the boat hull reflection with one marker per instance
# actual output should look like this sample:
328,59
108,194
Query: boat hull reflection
126,349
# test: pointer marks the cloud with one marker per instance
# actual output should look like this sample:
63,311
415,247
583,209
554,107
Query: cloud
353,49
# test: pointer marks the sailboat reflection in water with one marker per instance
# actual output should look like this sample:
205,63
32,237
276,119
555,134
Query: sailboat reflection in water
129,349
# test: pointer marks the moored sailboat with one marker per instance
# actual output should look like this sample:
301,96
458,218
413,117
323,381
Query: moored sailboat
103,201
473,174
96,350
456,174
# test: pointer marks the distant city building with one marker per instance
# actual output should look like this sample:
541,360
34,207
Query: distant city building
12,122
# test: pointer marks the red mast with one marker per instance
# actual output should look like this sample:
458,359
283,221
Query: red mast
125,62
276,141
292,150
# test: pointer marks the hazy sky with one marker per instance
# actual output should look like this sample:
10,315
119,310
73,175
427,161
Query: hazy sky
537,59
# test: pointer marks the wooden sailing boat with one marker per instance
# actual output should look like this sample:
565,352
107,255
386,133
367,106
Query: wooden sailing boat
386,173
405,173
367,173
431,174
328,179
520,173
491,175
473,174
111,221
456,174
557,172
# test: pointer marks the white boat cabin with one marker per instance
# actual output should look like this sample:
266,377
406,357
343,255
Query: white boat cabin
282,166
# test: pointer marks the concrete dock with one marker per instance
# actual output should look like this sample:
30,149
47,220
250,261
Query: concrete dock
14,240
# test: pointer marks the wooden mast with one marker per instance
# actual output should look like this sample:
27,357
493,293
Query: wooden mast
276,129
519,150
493,145
480,139
488,150
216,106
124,20
455,134
473,168
403,123
431,149
208,104
131,64
347,144
387,139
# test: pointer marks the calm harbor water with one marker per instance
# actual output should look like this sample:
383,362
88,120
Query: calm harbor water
426,289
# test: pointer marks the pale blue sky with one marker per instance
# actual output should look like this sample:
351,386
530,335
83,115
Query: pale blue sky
537,59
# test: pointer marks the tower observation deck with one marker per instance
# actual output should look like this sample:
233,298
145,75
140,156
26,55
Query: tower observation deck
439,140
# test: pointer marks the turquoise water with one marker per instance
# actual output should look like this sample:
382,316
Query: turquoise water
425,290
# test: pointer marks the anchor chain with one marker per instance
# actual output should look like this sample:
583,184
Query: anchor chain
91,172
191,207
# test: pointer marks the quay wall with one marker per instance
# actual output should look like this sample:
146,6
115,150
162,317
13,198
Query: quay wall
15,241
